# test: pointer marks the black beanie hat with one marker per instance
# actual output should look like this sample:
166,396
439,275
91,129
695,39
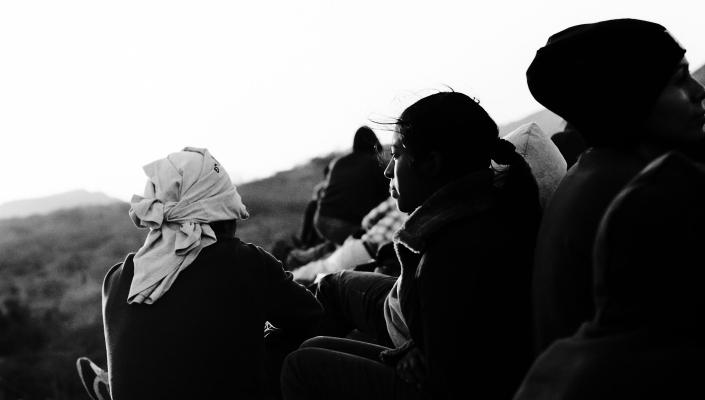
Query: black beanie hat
604,77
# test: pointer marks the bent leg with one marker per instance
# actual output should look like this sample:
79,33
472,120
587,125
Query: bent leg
315,373
355,347
355,300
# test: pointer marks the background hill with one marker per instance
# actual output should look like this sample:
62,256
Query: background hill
45,205
699,75
52,268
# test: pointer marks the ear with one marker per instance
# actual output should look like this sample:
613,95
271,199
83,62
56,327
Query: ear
432,165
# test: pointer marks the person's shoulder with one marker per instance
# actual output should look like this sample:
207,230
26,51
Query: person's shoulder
604,165
257,254
357,158
593,181
115,273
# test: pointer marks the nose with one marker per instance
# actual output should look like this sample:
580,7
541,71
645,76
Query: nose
389,171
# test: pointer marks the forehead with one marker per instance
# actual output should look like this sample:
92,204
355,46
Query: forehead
396,139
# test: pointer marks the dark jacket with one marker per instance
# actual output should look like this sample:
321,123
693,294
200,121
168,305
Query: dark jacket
204,338
356,185
562,283
465,288
647,339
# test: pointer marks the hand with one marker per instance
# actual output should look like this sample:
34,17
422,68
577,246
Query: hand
306,273
411,368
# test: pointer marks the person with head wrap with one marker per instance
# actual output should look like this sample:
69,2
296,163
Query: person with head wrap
184,316
646,340
625,86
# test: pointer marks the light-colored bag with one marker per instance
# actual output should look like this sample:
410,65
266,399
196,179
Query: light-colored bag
547,164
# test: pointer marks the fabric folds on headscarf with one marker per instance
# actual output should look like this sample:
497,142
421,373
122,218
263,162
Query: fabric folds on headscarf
185,192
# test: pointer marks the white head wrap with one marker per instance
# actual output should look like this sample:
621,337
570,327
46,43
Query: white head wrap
185,192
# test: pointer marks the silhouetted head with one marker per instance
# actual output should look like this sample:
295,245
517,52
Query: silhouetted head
366,141
620,82
438,139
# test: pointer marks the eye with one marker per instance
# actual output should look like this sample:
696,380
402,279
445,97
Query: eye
395,152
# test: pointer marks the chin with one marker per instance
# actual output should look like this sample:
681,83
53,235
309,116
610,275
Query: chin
403,207
400,205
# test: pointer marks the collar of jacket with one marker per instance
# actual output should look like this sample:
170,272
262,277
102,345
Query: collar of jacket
457,200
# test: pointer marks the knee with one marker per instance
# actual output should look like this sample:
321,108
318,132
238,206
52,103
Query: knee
289,379
321,342
294,378
327,289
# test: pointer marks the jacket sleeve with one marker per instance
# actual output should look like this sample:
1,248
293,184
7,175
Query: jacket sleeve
290,306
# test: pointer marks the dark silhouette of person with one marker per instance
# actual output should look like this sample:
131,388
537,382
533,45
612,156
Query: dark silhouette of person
625,86
355,186
647,338
308,236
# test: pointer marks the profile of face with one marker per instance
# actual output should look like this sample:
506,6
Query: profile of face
407,184
677,117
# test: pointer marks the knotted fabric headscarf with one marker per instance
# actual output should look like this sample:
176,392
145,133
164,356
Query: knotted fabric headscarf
185,191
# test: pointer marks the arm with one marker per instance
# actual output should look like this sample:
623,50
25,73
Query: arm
290,306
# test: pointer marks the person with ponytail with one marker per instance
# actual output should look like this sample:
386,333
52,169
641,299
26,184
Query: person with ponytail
459,315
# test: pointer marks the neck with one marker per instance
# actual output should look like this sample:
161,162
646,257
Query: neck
224,229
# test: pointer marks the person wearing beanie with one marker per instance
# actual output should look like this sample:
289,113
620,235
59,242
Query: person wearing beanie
625,86
184,316
646,340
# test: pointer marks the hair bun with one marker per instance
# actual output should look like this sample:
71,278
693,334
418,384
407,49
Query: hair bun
503,152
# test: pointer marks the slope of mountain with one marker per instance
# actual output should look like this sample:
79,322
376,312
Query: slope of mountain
546,120
699,75
45,205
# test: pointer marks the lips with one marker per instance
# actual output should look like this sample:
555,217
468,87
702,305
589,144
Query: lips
393,192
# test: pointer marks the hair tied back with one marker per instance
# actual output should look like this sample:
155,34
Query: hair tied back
503,152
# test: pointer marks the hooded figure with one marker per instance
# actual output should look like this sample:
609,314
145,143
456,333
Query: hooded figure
647,338
184,317
625,86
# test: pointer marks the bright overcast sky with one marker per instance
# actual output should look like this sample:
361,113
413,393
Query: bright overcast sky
92,90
